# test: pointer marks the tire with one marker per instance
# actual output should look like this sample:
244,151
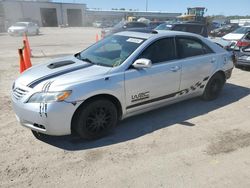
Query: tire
96,119
39,136
213,87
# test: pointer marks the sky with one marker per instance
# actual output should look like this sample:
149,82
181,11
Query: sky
225,7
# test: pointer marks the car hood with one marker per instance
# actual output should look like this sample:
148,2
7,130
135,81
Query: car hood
61,72
233,36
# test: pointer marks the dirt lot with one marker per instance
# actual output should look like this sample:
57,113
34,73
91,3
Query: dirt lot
189,144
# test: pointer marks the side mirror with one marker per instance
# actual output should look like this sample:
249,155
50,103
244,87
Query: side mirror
142,63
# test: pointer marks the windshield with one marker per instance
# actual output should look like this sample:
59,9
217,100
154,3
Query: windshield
242,30
164,27
20,24
111,51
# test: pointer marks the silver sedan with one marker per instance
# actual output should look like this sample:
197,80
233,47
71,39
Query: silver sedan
20,28
122,75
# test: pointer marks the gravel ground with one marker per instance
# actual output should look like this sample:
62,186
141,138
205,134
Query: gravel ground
189,144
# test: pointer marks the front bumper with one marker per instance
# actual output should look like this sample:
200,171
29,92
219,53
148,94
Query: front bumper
16,32
51,119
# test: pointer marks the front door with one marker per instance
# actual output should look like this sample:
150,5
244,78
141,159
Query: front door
159,83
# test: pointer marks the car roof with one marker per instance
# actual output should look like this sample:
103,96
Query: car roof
158,33
135,34
186,23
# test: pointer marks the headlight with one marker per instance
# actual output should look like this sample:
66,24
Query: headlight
49,97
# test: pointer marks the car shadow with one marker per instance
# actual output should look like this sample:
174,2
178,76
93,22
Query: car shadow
149,122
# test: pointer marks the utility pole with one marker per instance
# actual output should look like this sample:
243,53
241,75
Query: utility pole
146,5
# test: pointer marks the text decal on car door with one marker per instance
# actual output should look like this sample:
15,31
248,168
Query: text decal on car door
140,96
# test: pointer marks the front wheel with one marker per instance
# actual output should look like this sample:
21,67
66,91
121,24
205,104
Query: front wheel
213,87
96,119
39,136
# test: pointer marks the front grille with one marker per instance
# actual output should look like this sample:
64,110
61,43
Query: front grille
18,93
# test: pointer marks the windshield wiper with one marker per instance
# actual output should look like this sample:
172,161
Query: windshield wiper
78,56
87,60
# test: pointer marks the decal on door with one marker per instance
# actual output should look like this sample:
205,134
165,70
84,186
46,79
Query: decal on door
145,95
140,96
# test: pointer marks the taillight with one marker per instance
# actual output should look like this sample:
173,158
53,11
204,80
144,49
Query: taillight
241,43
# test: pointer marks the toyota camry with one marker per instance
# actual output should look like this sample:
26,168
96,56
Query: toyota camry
122,75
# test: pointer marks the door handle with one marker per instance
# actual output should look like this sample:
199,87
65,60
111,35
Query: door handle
213,60
175,68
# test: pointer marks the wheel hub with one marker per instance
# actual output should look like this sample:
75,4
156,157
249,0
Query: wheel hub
98,120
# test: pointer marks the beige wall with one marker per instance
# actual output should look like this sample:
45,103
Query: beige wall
17,10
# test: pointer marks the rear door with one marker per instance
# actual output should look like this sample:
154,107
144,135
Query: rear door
198,62
149,86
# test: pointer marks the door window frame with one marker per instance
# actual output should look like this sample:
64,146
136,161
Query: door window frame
150,44
211,51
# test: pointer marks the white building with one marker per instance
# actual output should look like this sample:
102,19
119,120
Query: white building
52,14
45,13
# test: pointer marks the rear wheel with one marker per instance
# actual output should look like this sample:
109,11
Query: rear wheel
96,119
214,87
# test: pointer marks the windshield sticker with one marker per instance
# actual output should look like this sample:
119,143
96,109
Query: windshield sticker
134,40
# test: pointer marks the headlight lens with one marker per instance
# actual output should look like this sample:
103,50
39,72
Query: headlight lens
49,97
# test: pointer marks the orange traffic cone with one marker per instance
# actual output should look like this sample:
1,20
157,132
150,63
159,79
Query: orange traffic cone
21,61
96,38
27,43
26,56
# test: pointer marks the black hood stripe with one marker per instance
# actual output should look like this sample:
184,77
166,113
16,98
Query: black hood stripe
47,77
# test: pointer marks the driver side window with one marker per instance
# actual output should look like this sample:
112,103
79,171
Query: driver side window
160,51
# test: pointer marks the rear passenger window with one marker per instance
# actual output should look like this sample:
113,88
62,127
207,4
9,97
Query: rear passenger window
180,28
191,47
160,51
194,29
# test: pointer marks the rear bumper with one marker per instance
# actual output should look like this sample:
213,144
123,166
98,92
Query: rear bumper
53,119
